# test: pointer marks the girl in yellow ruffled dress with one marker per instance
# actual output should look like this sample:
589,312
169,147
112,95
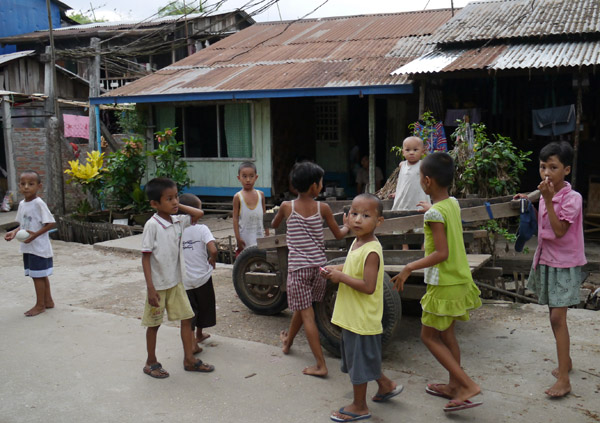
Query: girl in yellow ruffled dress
451,293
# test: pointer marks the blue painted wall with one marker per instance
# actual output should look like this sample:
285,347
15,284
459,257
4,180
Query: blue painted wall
23,16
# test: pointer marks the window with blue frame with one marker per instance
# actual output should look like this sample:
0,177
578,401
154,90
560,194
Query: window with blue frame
217,131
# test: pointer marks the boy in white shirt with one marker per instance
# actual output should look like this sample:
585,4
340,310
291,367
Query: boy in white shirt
164,267
200,253
34,217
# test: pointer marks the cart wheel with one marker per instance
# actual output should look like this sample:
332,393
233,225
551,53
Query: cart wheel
261,299
330,334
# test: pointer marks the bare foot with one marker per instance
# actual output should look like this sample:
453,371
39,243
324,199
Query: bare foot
462,394
350,412
34,311
555,371
49,304
315,371
197,349
203,337
559,389
285,347
442,389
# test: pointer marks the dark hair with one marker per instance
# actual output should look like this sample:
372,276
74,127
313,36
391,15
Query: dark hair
33,172
372,197
190,200
304,174
439,167
560,149
245,165
155,187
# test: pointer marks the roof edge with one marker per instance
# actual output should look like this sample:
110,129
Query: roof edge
256,94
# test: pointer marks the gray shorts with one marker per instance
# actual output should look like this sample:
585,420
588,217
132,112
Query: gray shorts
361,356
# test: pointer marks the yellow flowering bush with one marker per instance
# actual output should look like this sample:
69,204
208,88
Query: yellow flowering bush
88,175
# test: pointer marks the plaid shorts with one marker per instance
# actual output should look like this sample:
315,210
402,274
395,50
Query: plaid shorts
304,287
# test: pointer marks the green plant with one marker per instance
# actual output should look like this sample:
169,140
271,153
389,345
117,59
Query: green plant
167,158
125,169
90,176
130,121
429,121
493,167
496,229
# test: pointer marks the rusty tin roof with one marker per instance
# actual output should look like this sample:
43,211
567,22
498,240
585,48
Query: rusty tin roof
353,51
514,34
520,19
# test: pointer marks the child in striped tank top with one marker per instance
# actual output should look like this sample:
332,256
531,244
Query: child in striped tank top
305,240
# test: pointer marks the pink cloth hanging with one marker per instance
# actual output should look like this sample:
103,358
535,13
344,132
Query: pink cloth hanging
77,126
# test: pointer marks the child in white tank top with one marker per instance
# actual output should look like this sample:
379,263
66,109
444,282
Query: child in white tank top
248,209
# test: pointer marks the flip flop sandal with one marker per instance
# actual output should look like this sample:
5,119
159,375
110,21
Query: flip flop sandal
384,397
455,405
353,416
156,371
432,389
199,366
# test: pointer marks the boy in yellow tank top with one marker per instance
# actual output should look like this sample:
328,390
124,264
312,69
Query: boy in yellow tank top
359,308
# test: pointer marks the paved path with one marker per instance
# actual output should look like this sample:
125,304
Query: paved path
75,364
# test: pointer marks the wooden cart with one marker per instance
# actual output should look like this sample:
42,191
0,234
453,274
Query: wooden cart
260,273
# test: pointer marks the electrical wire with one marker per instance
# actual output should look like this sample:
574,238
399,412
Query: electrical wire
274,36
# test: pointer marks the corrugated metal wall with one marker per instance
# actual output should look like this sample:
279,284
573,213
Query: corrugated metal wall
23,16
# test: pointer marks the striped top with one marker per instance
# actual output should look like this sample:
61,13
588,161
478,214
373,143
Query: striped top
305,240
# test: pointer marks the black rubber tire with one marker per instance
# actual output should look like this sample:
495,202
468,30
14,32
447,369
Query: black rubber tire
261,299
330,334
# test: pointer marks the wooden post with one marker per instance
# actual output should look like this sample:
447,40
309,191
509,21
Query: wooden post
371,185
94,87
421,98
54,171
577,125
8,146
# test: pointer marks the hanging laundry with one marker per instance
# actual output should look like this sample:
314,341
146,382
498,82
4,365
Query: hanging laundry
77,126
554,121
436,141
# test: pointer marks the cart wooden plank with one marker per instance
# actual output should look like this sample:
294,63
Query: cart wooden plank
476,261
469,214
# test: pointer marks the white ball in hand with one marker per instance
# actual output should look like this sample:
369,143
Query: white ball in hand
22,235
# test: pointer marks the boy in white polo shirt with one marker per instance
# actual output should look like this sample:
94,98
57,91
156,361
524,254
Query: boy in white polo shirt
164,267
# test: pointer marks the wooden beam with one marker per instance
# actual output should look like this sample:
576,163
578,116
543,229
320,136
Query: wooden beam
9,146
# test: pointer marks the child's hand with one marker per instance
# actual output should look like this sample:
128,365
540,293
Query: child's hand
153,298
333,275
31,237
392,195
240,244
425,205
212,262
10,236
400,278
345,220
546,187
519,196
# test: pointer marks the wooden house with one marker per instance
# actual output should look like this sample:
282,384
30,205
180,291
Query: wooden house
278,92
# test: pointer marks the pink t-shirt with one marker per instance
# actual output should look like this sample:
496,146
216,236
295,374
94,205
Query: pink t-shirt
567,251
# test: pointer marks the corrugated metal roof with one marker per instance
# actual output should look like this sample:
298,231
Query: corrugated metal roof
9,57
520,18
333,52
505,57
126,25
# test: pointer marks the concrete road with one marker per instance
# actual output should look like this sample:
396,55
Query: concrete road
76,364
